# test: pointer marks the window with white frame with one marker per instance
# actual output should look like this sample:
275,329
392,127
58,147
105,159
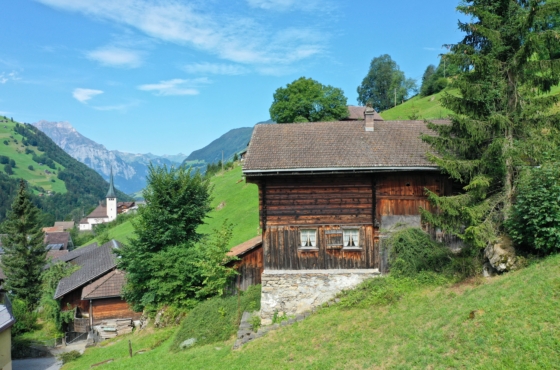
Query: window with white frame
308,238
351,238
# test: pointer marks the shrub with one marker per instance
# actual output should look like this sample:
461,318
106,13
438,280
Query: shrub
8,169
26,320
6,142
217,319
4,159
412,251
69,356
31,168
534,223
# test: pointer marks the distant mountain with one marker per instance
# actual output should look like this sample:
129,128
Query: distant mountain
130,170
60,185
233,141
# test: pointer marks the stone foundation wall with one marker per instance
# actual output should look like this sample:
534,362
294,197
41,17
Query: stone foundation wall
294,292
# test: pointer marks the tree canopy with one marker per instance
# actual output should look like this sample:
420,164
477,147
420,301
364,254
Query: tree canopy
502,119
306,100
160,261
436,79
24,250
383,80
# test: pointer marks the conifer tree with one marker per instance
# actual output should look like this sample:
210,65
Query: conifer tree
502,119
24,250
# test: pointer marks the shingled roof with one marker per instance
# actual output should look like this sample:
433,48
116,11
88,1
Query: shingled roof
343,146
356,113
110,285
57,238
93,264
245,247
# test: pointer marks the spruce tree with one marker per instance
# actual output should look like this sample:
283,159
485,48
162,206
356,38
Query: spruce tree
502,117
24,250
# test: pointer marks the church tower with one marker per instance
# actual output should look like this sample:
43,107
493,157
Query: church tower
111,198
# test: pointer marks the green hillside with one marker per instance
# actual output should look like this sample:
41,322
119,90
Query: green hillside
507,322
232,199
61,186
16,150
429,107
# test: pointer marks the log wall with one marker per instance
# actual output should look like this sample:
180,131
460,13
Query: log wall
327,202
250,268
112,308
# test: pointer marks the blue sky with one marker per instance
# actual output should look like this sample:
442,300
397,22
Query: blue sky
166,76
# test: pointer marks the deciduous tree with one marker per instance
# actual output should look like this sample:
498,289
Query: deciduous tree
306,100
385,84
160,259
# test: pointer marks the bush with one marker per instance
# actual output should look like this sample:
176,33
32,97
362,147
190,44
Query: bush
217,319
31,168
6,142
534,223
26,320
69,356
412,251
8,169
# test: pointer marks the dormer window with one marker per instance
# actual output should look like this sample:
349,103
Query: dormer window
351,238
308,238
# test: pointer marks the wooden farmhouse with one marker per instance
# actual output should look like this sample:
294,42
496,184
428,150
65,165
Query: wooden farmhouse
94,290
327,193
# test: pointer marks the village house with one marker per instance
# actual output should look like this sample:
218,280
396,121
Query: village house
7,320
328,194
94,290
107,211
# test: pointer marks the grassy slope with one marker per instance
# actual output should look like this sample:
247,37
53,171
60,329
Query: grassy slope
241,207
16,152
516,326
429,107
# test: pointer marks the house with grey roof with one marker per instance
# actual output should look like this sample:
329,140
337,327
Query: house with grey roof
94,289
328,191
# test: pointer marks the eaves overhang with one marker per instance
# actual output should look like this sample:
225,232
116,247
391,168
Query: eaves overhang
336,170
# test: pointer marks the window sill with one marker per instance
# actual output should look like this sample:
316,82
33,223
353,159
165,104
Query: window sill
351,249
308,249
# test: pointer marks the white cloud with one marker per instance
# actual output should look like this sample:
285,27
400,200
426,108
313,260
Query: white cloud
285,5
117,107
231,37
176,86
10,76
215,68
116,57
83,95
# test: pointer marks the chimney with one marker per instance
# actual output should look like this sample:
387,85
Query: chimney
368,117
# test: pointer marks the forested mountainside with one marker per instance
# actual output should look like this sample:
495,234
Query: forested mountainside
233,141
60,185
130,170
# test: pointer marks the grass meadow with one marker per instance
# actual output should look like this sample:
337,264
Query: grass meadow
507,322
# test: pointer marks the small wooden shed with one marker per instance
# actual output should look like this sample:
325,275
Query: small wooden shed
250,263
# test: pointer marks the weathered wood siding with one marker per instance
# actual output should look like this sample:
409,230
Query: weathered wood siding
250,268
325,202
112,308
313,200
73,300
282,250
404,193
